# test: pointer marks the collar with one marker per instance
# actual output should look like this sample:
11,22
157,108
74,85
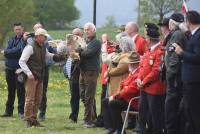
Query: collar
194,31
154,46
134,37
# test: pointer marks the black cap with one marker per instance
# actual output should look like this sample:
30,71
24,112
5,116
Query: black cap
150,26
165,22
178,17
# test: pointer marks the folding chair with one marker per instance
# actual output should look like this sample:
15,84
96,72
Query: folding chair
129,112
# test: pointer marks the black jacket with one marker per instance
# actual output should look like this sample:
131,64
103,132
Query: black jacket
90,56
191,59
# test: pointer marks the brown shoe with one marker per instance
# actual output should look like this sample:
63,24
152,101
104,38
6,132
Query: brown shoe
28,124
37,124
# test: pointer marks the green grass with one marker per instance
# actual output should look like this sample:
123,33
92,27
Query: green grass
58,110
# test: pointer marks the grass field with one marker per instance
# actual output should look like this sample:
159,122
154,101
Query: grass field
58,110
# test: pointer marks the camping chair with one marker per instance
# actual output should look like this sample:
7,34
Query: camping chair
129,112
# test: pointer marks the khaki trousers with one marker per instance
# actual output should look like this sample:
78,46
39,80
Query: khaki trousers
33,96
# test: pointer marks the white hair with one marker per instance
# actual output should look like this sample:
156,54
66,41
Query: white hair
91,25
173,24
126,44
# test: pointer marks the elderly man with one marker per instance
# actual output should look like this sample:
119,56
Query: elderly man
191,73
32,63
173,74
89,66
12,54
140,43
43,104
73,68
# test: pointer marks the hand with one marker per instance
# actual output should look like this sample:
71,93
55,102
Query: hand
74,56
139,83
111,98
2,51
104,48
178,49
25,35
31,77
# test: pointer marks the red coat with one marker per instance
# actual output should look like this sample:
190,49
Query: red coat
129,89
140,44
110,49
149,71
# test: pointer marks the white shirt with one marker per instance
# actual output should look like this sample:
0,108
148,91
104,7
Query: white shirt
27,52
154,46
193,31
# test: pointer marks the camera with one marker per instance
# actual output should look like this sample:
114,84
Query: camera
31,35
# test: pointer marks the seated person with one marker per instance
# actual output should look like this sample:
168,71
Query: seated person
115,104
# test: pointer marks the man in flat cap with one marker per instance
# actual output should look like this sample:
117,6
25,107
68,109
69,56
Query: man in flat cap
32,62
173,74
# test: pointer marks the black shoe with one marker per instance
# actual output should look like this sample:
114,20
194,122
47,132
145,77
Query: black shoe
7,115
73,119
110,131
98,123
42,117
28,124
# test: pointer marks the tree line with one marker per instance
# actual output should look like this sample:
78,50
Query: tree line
54,14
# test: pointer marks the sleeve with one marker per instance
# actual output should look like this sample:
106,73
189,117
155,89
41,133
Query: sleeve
154,74
192,57
27,52
49,56
91,49
119,70
128,92
14,52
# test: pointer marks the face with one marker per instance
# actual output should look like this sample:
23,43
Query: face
104,38
40,39
128,30
89,31
132,66
163,30
187,24
77,32
18,30
37,26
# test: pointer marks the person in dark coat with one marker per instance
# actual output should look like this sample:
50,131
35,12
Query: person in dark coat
12,54
173,74
191,73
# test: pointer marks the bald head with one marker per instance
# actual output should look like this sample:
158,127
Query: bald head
77,31
131,28
37,26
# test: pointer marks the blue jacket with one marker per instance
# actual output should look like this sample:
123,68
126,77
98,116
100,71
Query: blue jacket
13,52
191,59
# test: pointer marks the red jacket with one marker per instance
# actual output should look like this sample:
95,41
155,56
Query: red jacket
149,71
104,68
140,44
129,89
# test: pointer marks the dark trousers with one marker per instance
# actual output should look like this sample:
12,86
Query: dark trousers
103,96
191,99
43,103
75,97
151,113
112,113
14,85
172,103
87,85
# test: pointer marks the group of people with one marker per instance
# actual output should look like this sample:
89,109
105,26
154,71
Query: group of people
164,74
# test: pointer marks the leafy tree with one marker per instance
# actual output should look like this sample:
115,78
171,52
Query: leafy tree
14,11
110,22
155,10
56,13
